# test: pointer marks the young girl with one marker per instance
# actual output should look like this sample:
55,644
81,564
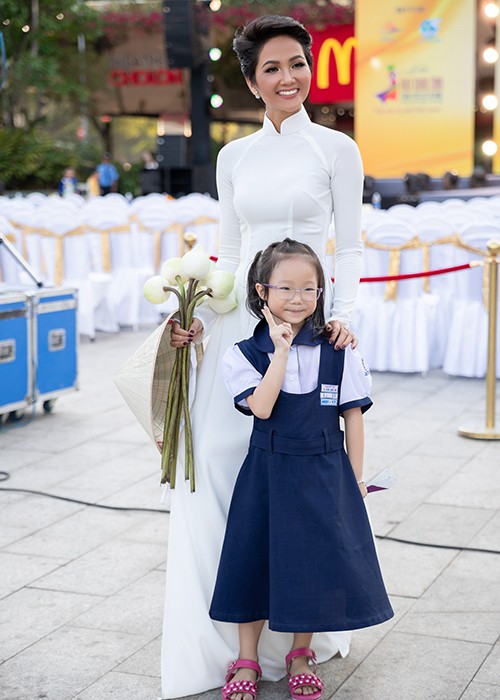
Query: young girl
298,550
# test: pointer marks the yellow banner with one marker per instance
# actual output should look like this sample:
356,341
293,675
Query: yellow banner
415,86
496,112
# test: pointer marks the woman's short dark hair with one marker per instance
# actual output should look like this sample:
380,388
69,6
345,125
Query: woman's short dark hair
262,268
249,40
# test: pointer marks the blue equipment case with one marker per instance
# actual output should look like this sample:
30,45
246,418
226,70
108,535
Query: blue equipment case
15,352
55,340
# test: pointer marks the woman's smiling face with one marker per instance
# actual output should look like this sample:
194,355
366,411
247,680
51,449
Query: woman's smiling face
282,77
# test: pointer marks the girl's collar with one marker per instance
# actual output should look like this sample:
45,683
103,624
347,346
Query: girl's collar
290,125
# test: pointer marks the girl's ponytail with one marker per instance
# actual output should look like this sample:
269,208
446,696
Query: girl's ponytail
254,302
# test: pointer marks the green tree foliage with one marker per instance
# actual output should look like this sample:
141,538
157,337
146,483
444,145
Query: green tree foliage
43,62
29,158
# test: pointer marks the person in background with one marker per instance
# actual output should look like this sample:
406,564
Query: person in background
68,183
149,161
108,175
93,188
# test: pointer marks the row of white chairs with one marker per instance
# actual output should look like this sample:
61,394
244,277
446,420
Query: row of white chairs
456,211
440,321
106,248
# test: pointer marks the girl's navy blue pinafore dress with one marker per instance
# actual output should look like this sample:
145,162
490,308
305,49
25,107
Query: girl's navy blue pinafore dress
298,549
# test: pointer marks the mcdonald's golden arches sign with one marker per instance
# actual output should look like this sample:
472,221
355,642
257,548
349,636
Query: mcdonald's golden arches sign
333,50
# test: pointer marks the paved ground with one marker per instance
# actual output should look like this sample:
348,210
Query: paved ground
81,588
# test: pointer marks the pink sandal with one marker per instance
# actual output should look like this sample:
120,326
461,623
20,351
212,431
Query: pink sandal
241,686
304,679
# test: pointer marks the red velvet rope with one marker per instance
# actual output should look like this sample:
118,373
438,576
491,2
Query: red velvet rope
413,275
410,275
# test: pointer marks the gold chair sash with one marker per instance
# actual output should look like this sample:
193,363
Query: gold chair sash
59,241
157,234
104,234
394,261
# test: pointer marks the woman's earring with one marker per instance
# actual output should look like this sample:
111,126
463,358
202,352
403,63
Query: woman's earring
257,96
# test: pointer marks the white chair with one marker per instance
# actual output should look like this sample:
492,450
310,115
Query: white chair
61,206
193,221
441,289
67,258
37,199
431,230
157,235
453,203
24,220
460,218
393,331
475,201
76,199
13,208
116,198
10,270
405,212
480,207
466,350
112,251
371,216
428,209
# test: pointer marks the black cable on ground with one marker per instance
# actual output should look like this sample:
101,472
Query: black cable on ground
5,475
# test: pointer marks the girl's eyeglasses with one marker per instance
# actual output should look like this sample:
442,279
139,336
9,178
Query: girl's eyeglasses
287,293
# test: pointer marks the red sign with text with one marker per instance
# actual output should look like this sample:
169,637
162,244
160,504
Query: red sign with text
333,51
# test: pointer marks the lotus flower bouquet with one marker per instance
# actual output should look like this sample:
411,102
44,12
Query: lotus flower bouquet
193,279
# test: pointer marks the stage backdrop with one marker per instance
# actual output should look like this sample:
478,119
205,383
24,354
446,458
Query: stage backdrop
415,82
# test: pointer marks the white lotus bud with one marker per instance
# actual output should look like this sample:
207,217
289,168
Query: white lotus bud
221,283
154,289
172,268
211,269
196,263
222,306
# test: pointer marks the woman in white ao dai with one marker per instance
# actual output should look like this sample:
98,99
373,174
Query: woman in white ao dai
286,180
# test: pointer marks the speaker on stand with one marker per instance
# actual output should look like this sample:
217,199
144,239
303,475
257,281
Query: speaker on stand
180,35
173,158
186,34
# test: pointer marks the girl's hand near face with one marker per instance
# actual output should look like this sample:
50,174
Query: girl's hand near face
281,334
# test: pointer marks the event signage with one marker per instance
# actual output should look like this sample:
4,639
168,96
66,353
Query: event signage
415,83
333,51
139,80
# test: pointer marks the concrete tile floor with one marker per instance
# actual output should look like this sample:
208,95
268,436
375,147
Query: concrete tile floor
81,588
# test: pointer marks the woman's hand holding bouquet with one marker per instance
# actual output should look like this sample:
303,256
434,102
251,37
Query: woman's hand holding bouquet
193,279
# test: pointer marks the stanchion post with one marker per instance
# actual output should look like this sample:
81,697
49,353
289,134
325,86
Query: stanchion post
190,239
489,432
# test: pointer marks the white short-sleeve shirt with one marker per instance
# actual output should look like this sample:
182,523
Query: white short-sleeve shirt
301,374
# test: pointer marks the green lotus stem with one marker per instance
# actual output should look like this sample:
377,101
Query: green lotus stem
191,290
171,385
171,426
188,435
182,302
178,392
175,291
192,304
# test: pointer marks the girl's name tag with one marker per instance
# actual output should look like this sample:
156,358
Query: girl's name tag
329,395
